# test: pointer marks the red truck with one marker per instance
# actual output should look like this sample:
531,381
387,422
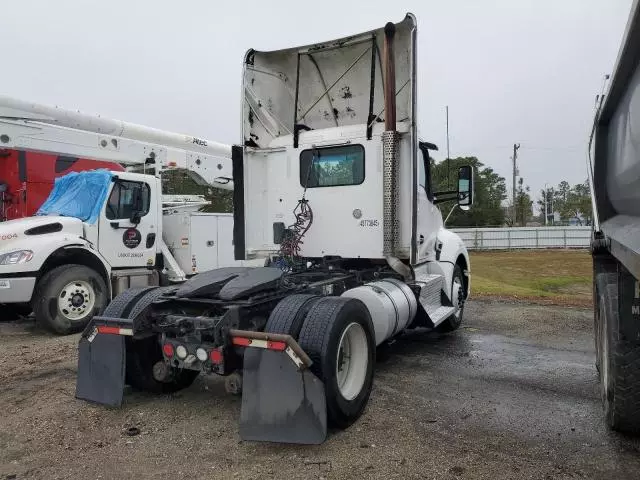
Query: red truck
26,178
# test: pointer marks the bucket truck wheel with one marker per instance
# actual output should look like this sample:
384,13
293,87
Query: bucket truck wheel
457,299
619,355
143,354
337,334
289,314
68,296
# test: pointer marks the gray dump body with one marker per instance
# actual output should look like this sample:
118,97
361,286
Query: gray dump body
616,164
615,245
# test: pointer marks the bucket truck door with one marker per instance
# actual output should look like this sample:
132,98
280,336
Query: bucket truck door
129,225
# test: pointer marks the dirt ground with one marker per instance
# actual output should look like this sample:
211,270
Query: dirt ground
513,394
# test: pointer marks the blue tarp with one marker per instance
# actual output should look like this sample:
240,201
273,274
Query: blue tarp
78,194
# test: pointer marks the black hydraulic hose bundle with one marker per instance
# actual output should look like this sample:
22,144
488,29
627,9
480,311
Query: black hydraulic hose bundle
291,243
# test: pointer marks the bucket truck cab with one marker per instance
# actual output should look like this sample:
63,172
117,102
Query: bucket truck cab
331,188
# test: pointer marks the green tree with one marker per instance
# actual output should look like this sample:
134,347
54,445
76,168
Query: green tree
549,204
571,202
578,204
524,204
490,191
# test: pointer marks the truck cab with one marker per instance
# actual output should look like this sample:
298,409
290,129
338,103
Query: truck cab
368,190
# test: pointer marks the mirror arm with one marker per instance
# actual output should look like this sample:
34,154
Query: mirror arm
449,192
450,212
445,197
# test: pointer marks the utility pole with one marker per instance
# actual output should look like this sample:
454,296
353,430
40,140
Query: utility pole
515,170
448,156
546,198
552,210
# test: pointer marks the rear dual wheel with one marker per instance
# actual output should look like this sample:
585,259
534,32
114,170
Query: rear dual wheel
337,334
143,354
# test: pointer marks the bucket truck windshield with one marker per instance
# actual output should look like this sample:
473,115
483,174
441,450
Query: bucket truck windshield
80,195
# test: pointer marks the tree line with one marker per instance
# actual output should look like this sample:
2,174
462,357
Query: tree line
493,205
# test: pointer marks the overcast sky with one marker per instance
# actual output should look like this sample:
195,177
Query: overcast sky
524,71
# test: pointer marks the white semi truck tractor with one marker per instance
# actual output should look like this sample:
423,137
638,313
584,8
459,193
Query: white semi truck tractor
614,173
332,187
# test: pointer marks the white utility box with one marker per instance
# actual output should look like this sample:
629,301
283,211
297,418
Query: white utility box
199,241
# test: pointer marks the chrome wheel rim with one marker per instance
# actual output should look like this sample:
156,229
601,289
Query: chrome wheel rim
76,300
352,361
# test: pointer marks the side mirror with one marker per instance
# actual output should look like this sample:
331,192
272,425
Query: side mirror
135,218
465,187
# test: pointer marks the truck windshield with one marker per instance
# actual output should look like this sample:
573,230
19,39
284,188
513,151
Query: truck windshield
332,166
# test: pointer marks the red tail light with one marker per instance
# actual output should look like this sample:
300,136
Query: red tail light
167,349
216,356
277,346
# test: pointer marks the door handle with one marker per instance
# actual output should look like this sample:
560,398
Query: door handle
151,239
210,243
421,239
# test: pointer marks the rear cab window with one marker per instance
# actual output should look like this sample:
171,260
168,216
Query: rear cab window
332,166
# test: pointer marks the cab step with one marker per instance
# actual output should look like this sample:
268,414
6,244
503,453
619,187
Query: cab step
432,295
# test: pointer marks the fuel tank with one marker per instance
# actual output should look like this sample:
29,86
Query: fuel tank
391,303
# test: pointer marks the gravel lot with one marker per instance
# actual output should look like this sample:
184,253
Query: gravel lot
513,394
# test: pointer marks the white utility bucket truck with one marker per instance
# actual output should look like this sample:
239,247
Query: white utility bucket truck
100,232
614,174
332,188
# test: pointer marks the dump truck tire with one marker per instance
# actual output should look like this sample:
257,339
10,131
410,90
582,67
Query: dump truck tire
337,334
619,353
289,314
454,321
67,297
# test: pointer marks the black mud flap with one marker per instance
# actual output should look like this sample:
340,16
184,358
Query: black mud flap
281,403
101,368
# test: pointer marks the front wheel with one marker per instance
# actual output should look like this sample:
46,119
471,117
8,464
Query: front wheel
67,297
337,334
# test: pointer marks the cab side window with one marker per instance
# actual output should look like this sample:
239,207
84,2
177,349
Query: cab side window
126,198
424,172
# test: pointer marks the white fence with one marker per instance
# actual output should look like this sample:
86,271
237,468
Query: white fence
524,237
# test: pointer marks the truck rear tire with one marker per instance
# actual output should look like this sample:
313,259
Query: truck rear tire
143,354
67,297
619,356
289,314
337,334
457,295
119,306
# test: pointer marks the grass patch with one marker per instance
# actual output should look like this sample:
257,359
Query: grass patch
548,276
